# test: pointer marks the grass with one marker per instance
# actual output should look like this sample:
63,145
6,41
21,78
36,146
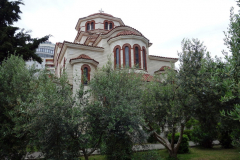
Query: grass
196,153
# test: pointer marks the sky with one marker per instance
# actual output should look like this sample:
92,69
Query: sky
164,22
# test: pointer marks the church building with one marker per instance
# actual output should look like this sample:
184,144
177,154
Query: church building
99,36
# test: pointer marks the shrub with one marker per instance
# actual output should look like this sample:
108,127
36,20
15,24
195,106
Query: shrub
149,155
191,123
225,139
188,133
202,137
184,146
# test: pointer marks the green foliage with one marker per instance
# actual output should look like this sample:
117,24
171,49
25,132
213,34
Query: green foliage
188,133
191,123
17,87
150,155
225,139
184,146
202,137
116,107
11,41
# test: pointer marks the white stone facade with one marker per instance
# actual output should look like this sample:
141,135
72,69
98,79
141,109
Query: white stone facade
101,35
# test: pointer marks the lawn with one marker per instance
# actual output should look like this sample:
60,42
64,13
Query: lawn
197,153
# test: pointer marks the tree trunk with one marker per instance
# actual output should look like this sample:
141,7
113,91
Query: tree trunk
85,154
173,154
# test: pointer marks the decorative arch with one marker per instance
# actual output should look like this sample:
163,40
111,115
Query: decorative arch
90,25
124,54
137,55
108,25
117,56
85,69
144,55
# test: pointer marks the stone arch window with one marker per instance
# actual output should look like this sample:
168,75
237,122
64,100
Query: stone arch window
144,55
85,74
117,56
90,25
137,55
126,55
108,25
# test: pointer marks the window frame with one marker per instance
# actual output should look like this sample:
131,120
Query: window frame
144,58
129,54
82,70
115,53
139,55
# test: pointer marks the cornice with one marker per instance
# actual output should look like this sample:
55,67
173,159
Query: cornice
89,61
113,39
159,58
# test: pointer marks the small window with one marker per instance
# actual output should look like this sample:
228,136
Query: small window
85,70
137,57
126,56
110,26
92,26
144,59
117,57
88,26
106,25
85,74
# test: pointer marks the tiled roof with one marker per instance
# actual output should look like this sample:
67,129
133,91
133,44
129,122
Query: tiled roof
164,57
163,68
82,44
105,14
147,77
127,33
121,26
84,56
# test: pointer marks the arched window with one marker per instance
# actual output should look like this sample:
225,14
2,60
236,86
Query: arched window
137,56
110,26
88,26
117,57
106,25
144,55
92,26
85,73
127,55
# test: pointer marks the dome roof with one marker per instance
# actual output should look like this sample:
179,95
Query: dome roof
105,14
127,33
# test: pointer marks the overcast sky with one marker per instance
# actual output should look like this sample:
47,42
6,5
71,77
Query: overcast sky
164,22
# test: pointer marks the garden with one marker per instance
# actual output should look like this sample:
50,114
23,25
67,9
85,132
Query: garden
118,110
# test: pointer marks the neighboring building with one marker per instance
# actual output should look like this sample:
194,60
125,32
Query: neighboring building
100,35
45,51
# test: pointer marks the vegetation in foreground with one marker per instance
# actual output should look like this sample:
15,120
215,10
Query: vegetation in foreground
195,153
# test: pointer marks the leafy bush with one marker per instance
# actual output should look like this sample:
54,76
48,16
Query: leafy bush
202,137
184,146
118,147
149,155
191,123
188,133
225,139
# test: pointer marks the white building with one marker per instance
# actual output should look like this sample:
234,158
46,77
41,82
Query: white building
45,51
100,35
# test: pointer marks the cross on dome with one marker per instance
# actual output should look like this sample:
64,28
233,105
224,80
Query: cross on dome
101,11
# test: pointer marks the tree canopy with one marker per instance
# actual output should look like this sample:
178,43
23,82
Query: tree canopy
13,41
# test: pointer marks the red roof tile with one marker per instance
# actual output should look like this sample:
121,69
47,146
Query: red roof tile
83,56
163,68
147,77
127,33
